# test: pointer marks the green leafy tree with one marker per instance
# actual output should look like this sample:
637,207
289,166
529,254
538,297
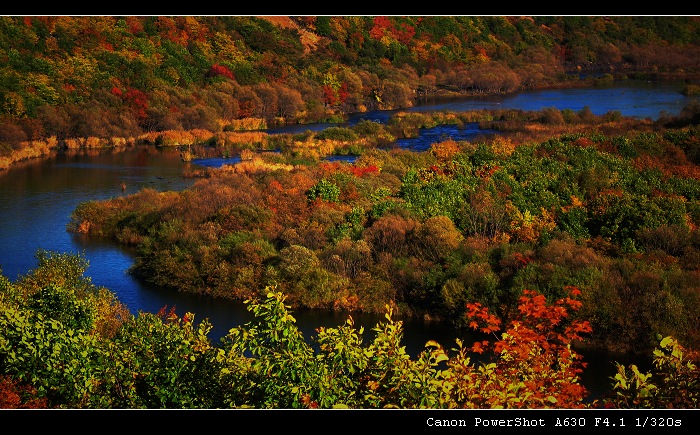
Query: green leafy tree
674,381
158,361
326,190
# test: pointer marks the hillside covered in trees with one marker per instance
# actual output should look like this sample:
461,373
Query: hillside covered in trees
105,80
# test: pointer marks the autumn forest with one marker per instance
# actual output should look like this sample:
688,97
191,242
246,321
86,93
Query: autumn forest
563,231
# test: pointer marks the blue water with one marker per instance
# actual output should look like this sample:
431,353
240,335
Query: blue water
633,98
429,136
637,99
216,162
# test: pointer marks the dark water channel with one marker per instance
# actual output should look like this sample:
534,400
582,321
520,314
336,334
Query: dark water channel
37,198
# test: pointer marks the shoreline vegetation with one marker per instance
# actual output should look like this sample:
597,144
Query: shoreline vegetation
565,229
237,135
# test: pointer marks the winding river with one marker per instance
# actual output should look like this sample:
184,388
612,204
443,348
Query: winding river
38,196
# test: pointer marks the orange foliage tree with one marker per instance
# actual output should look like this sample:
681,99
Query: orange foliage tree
14,395
533,364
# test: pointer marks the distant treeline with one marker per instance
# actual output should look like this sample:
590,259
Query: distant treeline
116,77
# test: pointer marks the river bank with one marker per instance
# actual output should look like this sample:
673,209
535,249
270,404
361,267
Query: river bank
46,147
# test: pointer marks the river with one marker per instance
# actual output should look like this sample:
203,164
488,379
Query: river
38,196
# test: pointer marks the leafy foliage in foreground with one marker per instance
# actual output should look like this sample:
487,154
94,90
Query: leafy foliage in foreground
63,359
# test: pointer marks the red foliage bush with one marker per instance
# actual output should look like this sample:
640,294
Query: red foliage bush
220,70
16,396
